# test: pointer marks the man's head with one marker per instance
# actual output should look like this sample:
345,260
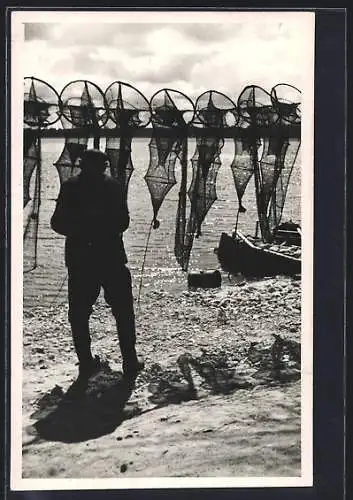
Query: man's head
94,162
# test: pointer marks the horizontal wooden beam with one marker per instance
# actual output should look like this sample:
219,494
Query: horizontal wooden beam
293,131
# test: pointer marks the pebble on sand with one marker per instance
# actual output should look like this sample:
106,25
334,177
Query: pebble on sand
123,468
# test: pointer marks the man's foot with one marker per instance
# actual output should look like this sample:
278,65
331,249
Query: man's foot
87,371
132,368
77,389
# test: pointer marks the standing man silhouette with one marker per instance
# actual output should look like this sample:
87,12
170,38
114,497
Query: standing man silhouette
91,211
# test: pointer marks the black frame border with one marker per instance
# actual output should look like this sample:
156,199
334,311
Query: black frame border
329,266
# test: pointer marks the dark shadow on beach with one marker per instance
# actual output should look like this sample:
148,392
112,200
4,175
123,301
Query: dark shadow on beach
85,411
89,411
97,408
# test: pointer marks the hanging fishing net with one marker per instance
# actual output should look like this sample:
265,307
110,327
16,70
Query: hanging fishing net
291,147
214,111
255,107
286,99
128,110
171,112
242,167
270,166
41,109
67,164
266,144
31,158
205,165
84,112
245,150
31,225
83,104
41,104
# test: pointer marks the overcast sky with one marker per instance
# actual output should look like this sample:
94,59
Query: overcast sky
192,57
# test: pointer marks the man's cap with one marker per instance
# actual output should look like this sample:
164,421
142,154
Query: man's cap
92,156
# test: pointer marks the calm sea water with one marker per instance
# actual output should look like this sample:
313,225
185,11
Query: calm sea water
42,285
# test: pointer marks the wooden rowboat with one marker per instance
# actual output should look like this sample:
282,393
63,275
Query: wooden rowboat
253,258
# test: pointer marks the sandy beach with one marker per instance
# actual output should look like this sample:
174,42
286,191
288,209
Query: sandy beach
209,402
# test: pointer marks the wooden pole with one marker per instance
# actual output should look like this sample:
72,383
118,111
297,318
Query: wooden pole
37,197
124,151
184,173
236,221
183,184
96,140
263,220
182,200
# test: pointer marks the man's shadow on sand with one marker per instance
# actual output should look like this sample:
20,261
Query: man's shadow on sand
95,409
85,411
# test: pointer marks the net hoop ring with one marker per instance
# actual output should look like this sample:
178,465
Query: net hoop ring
57,96
168,91
276,103
85,83
121,85
256,114
233,109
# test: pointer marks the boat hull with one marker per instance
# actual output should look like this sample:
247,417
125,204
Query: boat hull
239,255
288,232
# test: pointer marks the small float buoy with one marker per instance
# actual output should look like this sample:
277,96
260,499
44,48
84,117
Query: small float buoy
205,279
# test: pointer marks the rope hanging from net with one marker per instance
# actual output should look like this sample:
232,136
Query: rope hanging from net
41,109
128,110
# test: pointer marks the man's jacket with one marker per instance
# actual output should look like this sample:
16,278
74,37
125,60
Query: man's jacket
92,214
